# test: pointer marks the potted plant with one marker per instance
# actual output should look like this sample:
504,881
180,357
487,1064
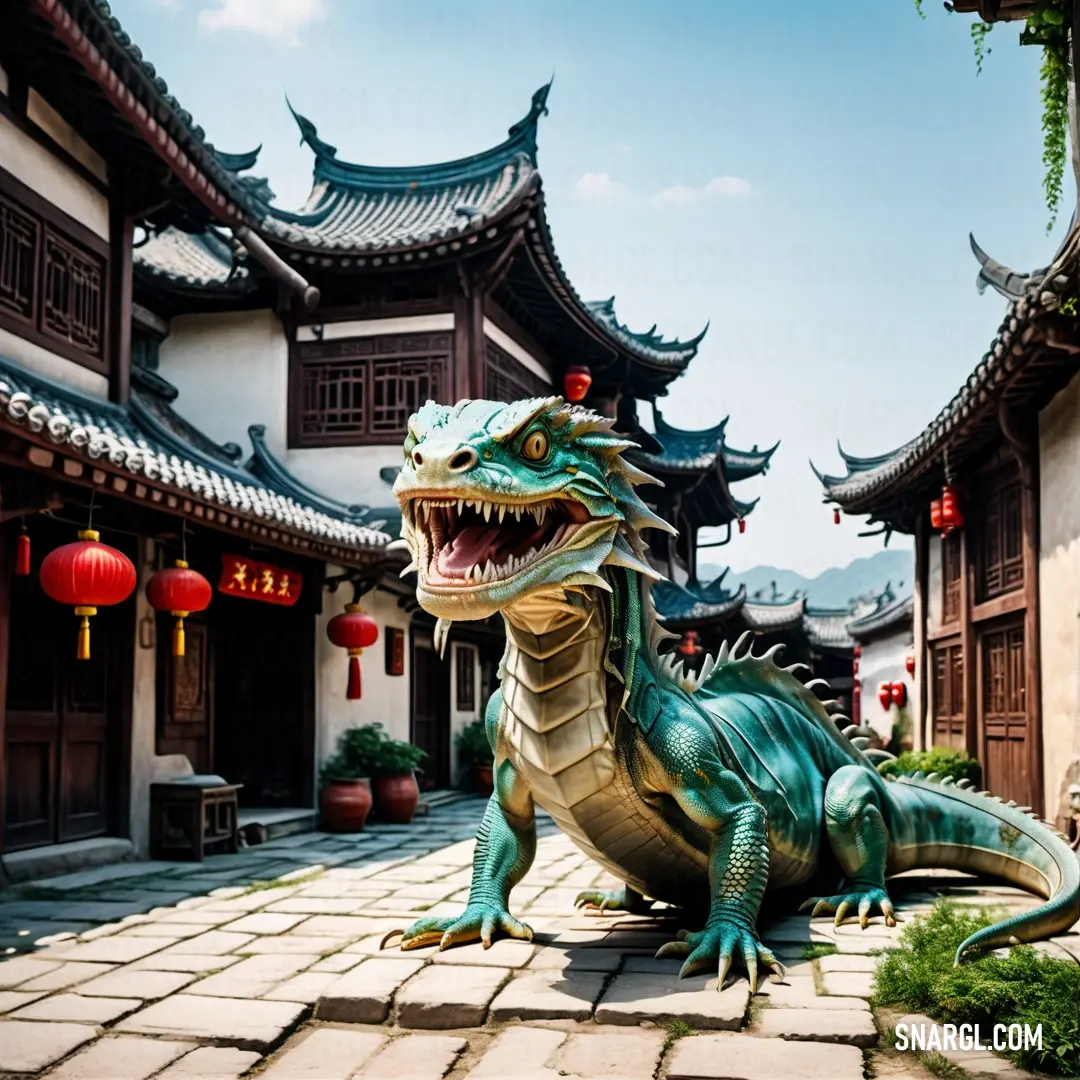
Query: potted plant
474,753
393,781
345,796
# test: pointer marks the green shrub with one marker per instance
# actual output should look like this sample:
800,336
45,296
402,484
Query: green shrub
944,762
472,744
393,758
368,751
340,768
1024,987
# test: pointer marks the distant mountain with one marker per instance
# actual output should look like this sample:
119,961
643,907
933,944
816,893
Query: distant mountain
835,587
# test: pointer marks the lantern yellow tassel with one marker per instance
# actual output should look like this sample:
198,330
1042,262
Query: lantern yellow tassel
82,650
178,634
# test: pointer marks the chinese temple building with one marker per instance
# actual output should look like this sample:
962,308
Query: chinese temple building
436,282
988,490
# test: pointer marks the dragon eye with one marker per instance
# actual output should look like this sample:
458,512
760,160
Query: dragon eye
535,447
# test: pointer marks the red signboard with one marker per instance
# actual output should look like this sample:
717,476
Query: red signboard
241,576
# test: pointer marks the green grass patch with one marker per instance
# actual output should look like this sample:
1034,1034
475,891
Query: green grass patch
676,1030
815,950
1025,987
941,760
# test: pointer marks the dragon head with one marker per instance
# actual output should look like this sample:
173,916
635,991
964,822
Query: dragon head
499,501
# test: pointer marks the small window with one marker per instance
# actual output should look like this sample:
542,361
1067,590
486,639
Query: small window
1001,560
465,673
950,577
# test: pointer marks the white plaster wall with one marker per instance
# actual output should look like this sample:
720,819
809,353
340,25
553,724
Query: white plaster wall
147,767
1059,591
537,366
349,474
385,697
41,361
883,660
459,718
41,113
933,598
50,178
232,371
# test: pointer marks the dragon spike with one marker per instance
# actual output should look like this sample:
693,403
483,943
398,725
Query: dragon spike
442,631
984,794
620,556
964,784
946,781
409,569
633,475
850,732
1024,810
1011,802
723,653
707,668
773,653
918,774
861,743
840,718
794,669
933,778
746,638
813,684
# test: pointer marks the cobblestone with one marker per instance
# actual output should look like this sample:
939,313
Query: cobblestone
211,1063
251,1025
363,995
78,1009
324,1054
125,1056
26,1046
742,1057
448,997
414,1057
853,1026
549,995
659,998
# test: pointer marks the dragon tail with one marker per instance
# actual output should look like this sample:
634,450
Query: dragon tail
943,824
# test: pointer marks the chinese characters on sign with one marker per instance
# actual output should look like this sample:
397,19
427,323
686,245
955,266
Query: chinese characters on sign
241,576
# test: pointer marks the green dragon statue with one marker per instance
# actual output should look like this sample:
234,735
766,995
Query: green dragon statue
702,791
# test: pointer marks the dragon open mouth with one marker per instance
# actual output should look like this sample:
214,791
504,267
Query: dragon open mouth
471,542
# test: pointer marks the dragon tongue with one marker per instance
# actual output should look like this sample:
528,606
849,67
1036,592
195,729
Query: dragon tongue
472,546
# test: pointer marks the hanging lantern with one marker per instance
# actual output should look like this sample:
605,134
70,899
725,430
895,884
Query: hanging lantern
857,651
742,525
87,575
935,515
355,631
836,515
884,695
690,644
951,515
898,694
855,666
576,383
909,665
22,553
179,590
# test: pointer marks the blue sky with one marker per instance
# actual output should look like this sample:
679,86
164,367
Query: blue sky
803,175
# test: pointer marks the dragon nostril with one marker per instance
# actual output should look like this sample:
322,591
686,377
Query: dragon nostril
462,459
418,458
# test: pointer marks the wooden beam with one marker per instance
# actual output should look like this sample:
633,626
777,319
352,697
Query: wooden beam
121,254
1033,672
972,720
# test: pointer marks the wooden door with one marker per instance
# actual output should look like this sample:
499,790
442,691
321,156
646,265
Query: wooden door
948,670
185,694
430,727
62,721
1005,752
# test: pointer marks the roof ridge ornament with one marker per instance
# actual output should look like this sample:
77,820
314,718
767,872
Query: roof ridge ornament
525,128
310,134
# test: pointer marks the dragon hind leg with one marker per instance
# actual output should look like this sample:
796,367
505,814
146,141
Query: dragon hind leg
624,899
859,840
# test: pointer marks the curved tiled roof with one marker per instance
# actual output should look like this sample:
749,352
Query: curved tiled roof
649,344
768,617
828,628
893,613
869,483
194,259
140,440
682,605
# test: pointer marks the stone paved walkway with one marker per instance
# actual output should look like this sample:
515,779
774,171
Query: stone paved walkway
268,962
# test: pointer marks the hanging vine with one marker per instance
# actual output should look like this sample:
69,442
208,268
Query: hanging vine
1046,26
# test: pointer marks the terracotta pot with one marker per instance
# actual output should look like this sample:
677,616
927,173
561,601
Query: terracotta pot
396,797
345,805
483,782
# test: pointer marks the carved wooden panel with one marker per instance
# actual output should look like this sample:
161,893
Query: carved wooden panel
1005,723
1001,555
73,294
19,238
950,577
948,674
507,379
185,692
364,389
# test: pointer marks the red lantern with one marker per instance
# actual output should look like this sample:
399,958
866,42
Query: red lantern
576,383
855,666
909,665
355,631
180,591
836,515
935,514
898,694
857,651
22,553
742,525
87,575
884,695
951,515
690,645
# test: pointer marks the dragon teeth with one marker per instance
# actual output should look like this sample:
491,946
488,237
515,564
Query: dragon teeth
502,512
487,511
460,506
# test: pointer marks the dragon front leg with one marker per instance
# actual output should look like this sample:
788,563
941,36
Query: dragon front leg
505,847
860,841
718,801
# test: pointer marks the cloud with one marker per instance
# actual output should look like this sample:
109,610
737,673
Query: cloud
720,187
279,19
599,188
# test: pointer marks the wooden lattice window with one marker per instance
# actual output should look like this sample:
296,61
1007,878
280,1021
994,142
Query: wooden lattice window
347,393
73,294
950,577
53,276
465,677
1004,679
507,379
948,669
1001,562
19,237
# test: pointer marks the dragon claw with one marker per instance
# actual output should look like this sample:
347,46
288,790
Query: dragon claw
480,922
864,900
715,948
